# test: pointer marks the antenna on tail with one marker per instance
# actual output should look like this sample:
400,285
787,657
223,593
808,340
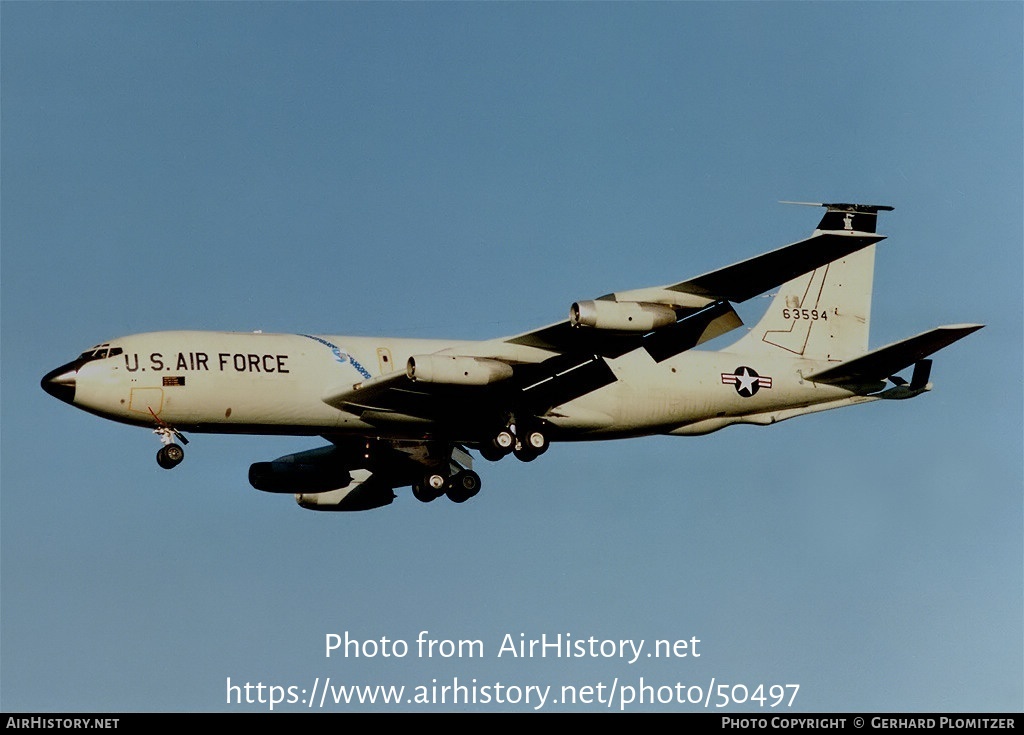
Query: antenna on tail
842,217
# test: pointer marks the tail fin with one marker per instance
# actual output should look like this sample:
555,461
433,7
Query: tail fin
847,217
824,314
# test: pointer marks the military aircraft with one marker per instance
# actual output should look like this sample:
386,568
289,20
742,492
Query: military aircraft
406,412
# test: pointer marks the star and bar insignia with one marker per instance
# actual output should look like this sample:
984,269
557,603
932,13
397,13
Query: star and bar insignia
746,380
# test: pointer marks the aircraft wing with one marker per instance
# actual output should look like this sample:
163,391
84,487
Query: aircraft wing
364,394
734,283
533,386
458,395
754,276
568,359
879,364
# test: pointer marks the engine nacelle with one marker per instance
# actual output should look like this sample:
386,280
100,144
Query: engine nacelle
622,316
312,471
457,370
364,492
289,477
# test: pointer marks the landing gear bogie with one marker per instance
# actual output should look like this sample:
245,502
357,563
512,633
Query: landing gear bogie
504,441
525,454
462,486
423,494
430,488
527,443
531,442
492,453
535,441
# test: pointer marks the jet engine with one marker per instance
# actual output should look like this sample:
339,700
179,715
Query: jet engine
313,471
457,370
364,492
291,477
623,316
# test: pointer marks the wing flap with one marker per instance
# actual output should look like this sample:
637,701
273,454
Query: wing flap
561,379
885,361
711,322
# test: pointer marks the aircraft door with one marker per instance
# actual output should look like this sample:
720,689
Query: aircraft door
148,401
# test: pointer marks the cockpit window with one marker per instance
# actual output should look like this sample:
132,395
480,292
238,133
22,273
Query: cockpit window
99,352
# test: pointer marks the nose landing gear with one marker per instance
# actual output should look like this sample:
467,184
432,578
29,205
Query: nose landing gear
170,454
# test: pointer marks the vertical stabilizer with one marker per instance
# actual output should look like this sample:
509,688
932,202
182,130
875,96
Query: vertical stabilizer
824,314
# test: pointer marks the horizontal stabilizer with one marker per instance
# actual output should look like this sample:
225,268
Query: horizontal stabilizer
885,361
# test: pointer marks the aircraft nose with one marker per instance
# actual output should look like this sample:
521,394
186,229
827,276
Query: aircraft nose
60,383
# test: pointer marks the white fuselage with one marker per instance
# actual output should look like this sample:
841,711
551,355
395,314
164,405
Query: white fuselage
229,382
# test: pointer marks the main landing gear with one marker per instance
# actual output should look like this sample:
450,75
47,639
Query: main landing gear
526,443
459,487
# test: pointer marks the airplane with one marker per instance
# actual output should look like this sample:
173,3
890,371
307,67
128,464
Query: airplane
407,412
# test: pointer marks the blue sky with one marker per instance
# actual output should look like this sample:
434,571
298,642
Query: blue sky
467,171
